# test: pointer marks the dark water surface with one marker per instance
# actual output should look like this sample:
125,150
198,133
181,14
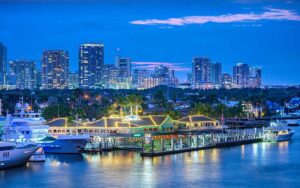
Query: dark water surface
254,165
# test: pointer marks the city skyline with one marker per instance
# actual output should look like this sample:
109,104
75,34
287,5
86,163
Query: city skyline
257,33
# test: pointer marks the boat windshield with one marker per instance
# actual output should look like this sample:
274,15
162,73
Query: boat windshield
48,138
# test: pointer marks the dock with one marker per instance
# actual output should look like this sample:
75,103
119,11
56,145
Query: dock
186,143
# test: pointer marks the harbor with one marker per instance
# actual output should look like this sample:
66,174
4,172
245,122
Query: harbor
278,162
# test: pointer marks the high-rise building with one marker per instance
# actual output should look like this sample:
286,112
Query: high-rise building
189,78
3,63
55,69
201,73
241,75
38,79
105,72
22,74
124,65
255,77
91,59
139,76
226,81
216,73
73,80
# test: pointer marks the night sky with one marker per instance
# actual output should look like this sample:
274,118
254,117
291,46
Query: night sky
151,32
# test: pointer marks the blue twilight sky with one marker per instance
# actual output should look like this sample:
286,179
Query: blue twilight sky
172,32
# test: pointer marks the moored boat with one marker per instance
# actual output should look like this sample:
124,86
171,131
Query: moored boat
12,154
25,125
278,131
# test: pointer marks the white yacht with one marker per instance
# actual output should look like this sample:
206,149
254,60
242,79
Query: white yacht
12,154
25,125
277,131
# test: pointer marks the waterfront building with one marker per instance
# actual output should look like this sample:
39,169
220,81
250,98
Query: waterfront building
3,64
91,59
241,75
22,74
226,81
255,77
201,73
197,122
131,126
114,126
73,80
55,69
139,76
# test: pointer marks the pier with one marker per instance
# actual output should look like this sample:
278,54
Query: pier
160,145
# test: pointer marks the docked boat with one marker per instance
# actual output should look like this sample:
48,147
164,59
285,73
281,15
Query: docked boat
292,122
38,156
25,125
12,154
277,132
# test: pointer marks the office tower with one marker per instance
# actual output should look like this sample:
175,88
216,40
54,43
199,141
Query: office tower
55,69
255,77
162,76
226,81
241,75
105,74
91,59
118,82
201,73
139,76
162,71
73,80
3,63
216,73
189,78
22,74
124,65
38,78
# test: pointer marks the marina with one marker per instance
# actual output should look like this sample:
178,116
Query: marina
263,164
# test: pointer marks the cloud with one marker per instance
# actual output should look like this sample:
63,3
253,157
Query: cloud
269,14
151,65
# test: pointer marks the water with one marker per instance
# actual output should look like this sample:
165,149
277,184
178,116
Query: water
254,165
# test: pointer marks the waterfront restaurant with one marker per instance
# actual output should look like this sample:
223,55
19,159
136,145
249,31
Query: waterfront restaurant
127,126
133,126
197,123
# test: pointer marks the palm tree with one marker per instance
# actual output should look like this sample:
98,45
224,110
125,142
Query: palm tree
137,103
130,102
121,103
201,109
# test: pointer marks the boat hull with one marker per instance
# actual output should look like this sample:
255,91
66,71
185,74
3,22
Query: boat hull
65,146
285,137
17,157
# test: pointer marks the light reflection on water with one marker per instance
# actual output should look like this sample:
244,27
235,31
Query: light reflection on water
258,165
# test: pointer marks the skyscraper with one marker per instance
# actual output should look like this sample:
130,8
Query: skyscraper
124,65
91,59
255,77
226,81
241,75
22,74
139,76
201,73
3,63
55,69
73,80
216,73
